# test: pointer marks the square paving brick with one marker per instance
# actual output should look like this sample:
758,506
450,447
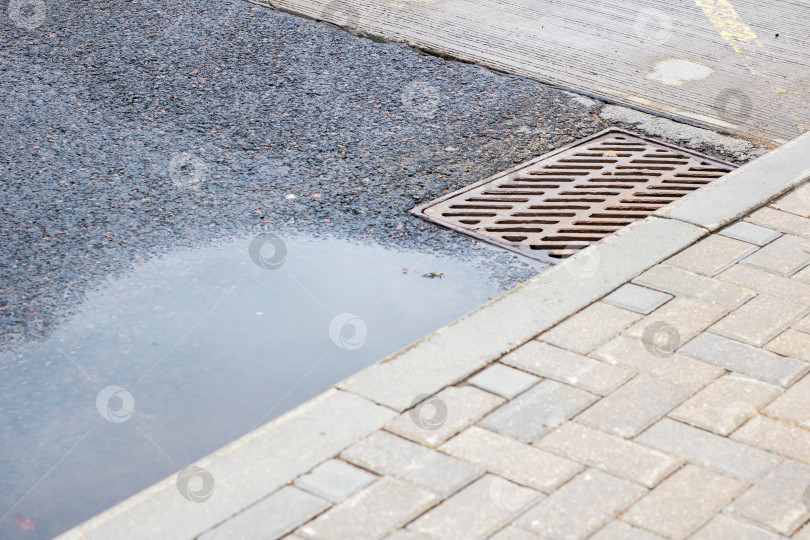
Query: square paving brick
538,411
475,511
503,380
630,409
792,343
677,369
711,255
796,202
439,417
726,403
759,320
775,436
513,533
722,527
753,234
793,405
271,518
784,256
682,283
373,513
684,502
709,450
567,367
780,221
686,317
619,457
777,500
765,283
511,459
390,455
581,507
589,328
334,480
637,298
742,358
619,530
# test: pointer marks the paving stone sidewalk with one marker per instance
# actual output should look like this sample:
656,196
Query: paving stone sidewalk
678,406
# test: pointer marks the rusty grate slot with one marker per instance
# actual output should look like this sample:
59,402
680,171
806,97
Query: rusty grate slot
575,196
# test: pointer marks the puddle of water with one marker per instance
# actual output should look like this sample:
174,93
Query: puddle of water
188,352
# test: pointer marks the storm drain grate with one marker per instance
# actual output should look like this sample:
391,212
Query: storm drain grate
575,196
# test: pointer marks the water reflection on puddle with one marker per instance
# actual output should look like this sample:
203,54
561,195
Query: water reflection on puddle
188,352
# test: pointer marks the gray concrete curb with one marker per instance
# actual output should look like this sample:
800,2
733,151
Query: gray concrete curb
257,464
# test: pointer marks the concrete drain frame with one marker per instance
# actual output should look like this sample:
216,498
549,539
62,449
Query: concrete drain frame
554,205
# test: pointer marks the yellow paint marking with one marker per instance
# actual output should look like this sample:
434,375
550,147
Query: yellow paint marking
726,19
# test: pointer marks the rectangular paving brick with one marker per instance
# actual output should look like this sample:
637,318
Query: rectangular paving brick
586,330
637,298
796,202
765,283
614,455
334,480
272,517
684,502
373,513
687,316
436,419
784,256
777,501
568,367
780,221
475,511
390,455
776,436
726,403
513,533
722,527
682,283
511,459
503,380
711,255
581,507
538,410
802,275
402,534
759,320
803,324
619,530
709,450
753,234
792,343
743,358
677,369
630,409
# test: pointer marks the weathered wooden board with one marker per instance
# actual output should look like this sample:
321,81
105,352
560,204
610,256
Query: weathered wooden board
717,63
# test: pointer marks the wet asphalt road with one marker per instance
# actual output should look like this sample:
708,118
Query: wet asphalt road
132,128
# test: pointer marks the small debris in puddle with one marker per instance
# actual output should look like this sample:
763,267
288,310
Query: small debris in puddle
433,275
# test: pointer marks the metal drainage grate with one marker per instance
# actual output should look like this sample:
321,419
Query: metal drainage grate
575,196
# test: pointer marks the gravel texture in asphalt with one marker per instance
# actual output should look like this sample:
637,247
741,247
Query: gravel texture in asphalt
130,128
